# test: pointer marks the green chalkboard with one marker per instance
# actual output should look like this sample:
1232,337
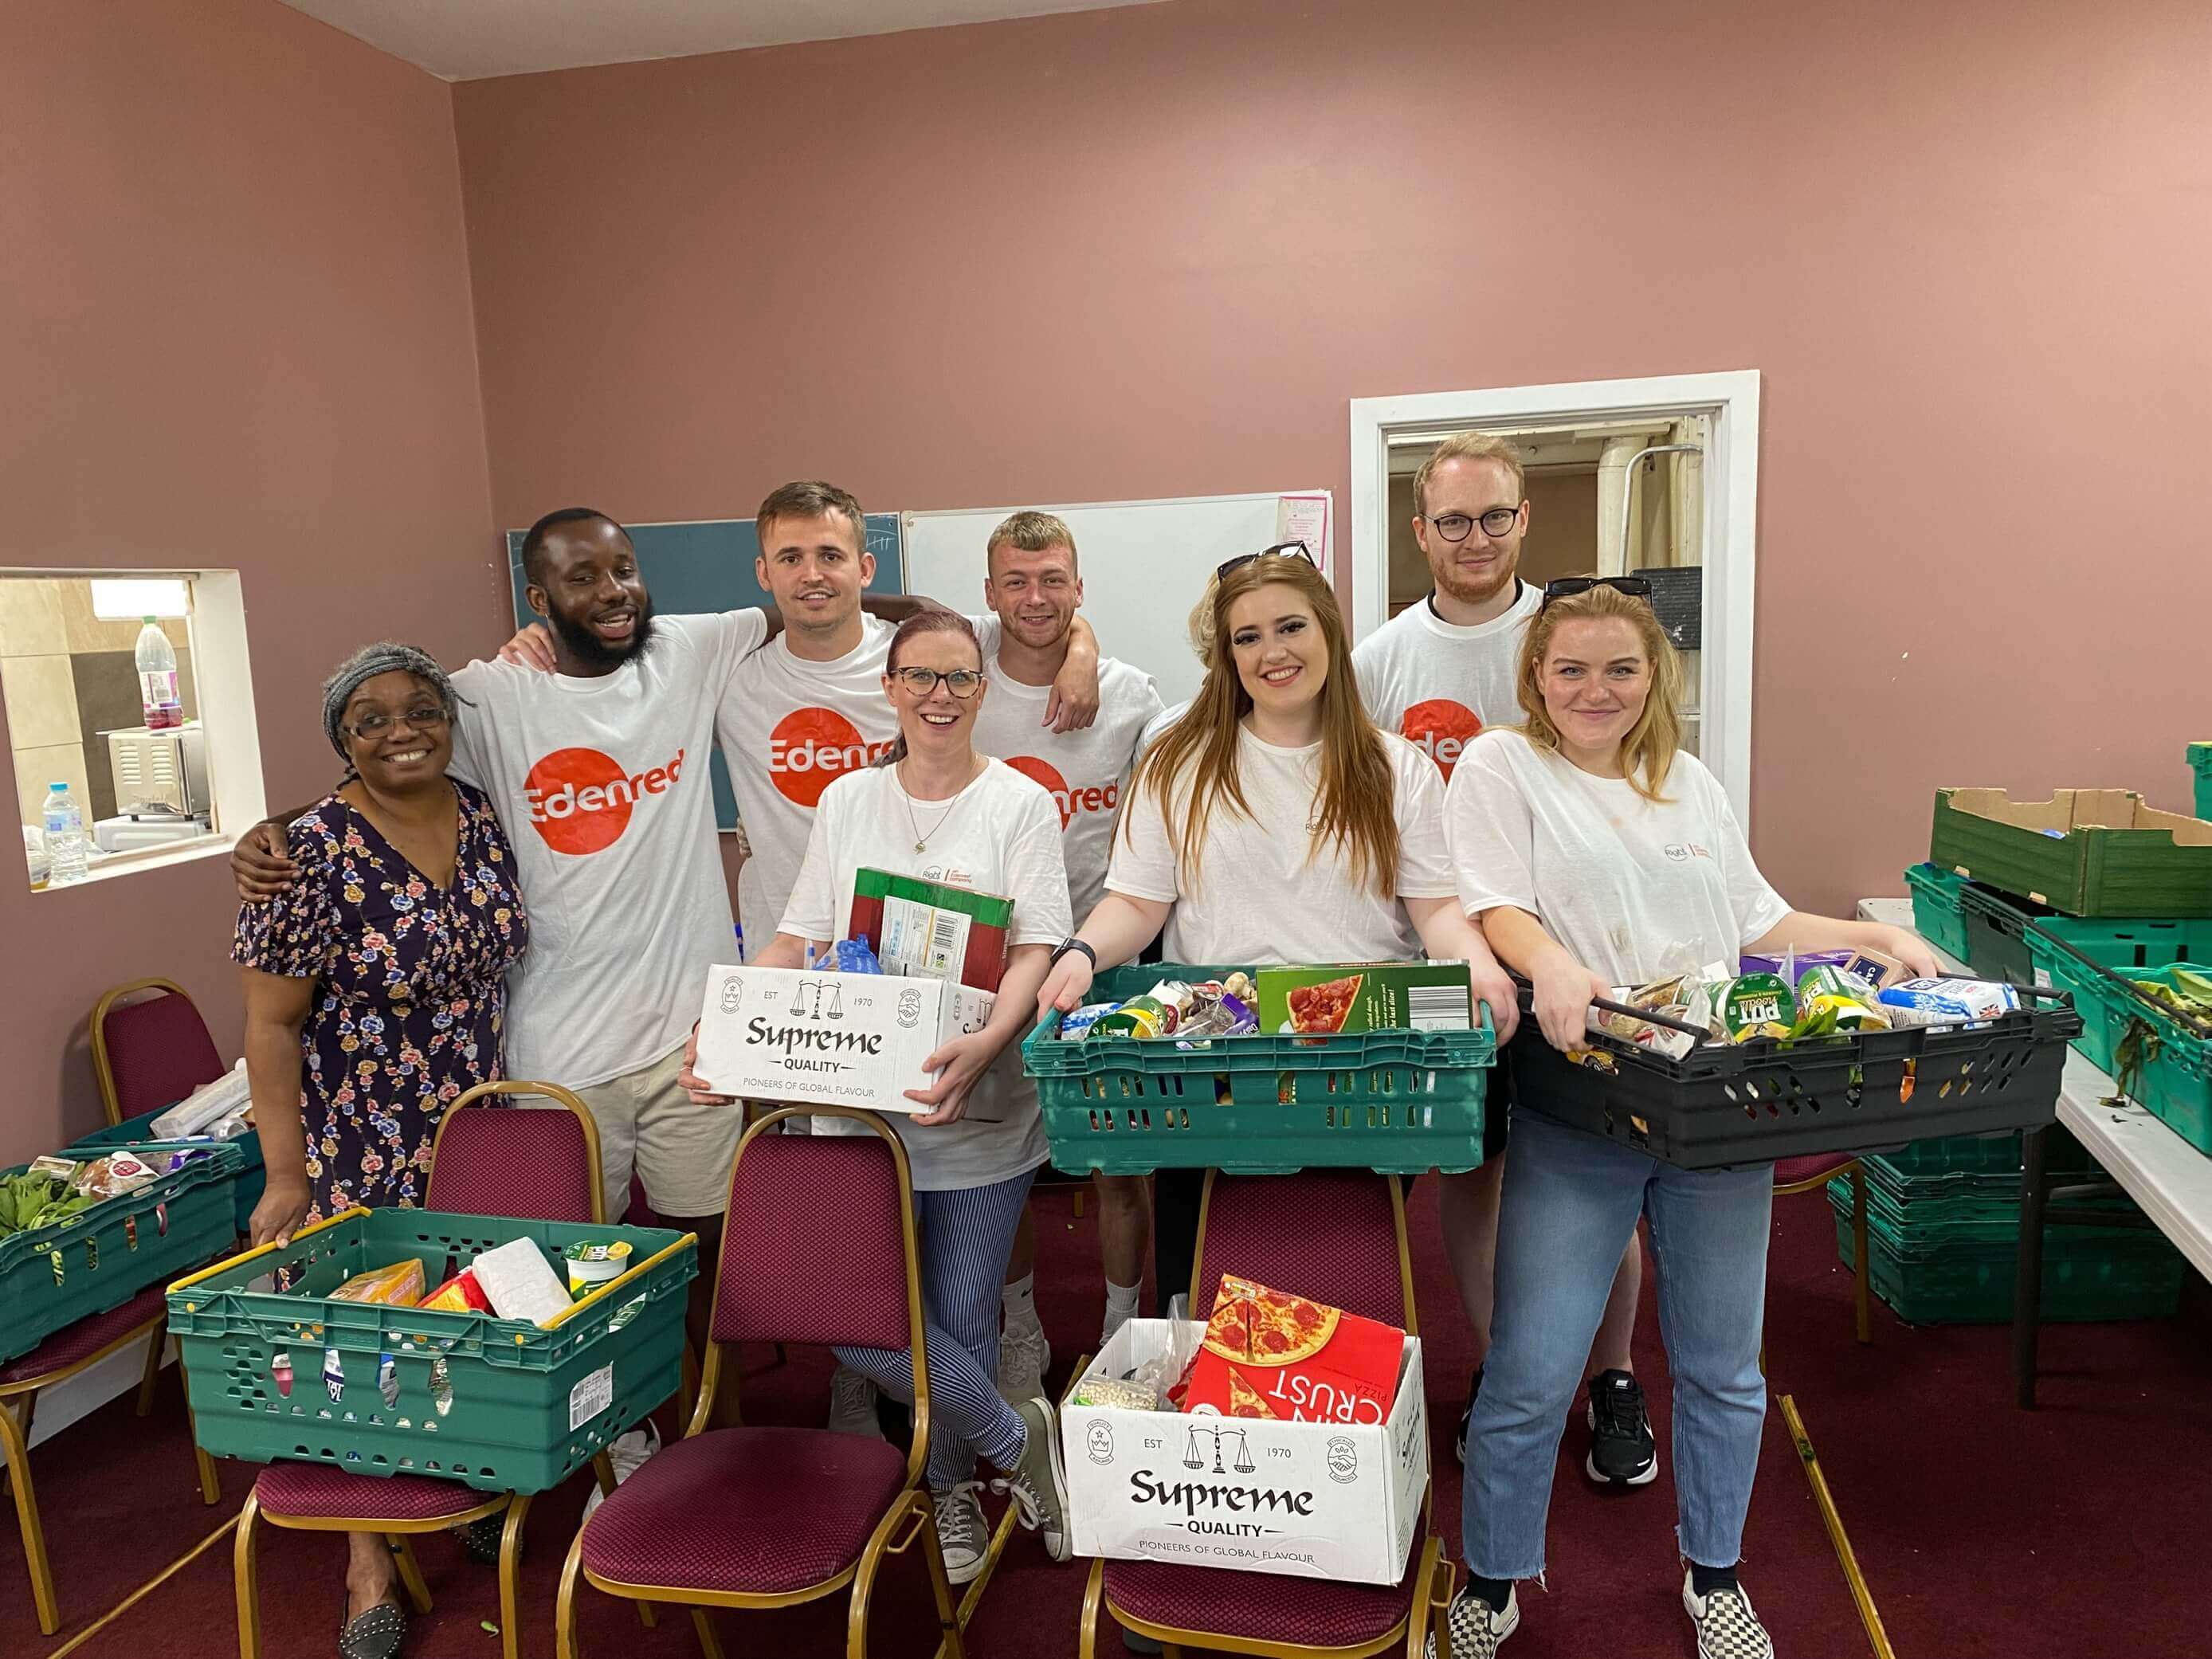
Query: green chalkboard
707,565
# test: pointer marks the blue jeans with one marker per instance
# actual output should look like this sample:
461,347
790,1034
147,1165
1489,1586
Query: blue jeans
1570,1205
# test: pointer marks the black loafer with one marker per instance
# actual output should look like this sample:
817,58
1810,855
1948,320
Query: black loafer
377,1634
481,1538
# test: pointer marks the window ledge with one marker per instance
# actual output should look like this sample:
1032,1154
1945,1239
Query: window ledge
119,865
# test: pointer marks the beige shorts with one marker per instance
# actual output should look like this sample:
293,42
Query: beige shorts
682,1150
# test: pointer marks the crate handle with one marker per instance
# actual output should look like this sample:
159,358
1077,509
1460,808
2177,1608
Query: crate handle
1528,1004
2201,1028
265,1249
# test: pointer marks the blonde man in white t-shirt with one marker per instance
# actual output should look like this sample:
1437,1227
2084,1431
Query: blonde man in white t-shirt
1596,854
1437,673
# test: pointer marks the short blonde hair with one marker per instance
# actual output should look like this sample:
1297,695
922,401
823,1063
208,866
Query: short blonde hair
1472,446
1032,532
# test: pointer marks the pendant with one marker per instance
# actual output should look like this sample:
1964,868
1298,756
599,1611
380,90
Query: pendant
920,845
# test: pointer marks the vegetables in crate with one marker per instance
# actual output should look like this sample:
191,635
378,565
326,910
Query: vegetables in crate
32,1199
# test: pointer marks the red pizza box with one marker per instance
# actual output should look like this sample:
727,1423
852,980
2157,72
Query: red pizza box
1270,1354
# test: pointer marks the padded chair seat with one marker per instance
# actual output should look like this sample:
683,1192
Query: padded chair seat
87,1337
1262,1607
1792,1171
761,1511
318,1492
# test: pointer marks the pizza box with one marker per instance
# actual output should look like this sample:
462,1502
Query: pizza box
1366,996
816,1038
1306,1500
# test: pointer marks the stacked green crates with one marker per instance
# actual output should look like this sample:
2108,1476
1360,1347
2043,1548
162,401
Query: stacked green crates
1943,1236
2200,761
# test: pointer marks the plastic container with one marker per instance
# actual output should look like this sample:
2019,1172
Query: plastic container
500,1405
157,678
2200,761
1398,1102
2165,1064
2132,1275
136,1132
64,827
1757,1101
2086,852
1996,934
99,1259
2069,952
1938,915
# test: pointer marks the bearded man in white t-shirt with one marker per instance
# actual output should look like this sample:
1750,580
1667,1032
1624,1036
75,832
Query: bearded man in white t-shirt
1033,586
1437,673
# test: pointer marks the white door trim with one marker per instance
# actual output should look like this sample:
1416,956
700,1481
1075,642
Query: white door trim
1729,400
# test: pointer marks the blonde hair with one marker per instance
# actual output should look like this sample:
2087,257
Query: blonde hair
1471,446
1646,753
1032,532
1355,799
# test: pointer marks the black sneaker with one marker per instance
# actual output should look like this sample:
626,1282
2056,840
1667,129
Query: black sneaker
1622,1451
1467,1416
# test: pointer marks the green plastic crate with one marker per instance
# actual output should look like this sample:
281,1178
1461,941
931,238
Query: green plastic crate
1991,1156
252,1173
1938,914
2086,852
2058,946
1399,1102
2200,760
523,1408
2173,1079
1967,1284
52,1277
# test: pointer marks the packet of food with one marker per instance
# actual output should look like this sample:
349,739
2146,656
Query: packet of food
459,1294
55,1168
1079,1024
400,1285
115,1174
1140,1016
1947,1001
1116,1395
1227,1017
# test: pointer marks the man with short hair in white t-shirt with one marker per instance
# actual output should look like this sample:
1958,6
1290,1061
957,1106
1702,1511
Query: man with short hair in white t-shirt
1033,587
1436,674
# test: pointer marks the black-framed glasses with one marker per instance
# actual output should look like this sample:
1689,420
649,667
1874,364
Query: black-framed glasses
1453,526
1280,551
962,683
1565,587
373,726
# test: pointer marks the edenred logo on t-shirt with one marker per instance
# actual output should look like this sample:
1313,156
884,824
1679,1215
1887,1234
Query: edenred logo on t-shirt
810,748
1441,729
581,801
1092,799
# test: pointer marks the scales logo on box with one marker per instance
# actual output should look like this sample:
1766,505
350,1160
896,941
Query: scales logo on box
1441,729
581,801
811,748
1092,799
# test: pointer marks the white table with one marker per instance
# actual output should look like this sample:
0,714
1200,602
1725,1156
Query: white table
2170,1179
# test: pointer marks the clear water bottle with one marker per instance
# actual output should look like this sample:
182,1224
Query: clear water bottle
157,678
65,836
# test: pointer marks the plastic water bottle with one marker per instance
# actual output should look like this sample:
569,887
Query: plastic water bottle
65,836
157,678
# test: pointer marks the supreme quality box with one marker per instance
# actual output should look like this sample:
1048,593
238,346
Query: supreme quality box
829,1039
1308,1500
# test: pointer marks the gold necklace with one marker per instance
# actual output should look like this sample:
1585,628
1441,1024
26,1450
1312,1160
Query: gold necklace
922,841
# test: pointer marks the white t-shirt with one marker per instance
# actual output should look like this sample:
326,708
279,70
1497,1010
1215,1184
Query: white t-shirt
1157,728
1084,772
1634,890
1437,684
1261,894
1000,835
603,788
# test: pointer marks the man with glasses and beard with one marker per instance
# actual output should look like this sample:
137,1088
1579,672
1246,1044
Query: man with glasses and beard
1437,673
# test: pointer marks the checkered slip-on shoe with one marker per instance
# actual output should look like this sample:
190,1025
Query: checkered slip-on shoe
1727,1627
1477,1629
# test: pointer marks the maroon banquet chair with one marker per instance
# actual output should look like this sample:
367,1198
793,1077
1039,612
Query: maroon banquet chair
818,1247
1339,1236
152,1053
1809,1174
485,1159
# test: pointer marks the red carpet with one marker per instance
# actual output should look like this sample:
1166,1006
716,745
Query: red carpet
1973,1521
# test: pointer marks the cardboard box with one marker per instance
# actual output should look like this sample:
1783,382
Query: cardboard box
1366,996
828,1039
1308,1500
931,927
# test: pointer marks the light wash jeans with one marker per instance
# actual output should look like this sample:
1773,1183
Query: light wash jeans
1571,1204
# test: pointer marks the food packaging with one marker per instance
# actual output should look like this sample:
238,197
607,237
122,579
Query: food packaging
1079,1023
1268,1353
1755,1005
459,1294
1120,1394
108,1176
400,1285
593,1264
1140,1016
1366,996
521,1282
1228,1017
1947,1001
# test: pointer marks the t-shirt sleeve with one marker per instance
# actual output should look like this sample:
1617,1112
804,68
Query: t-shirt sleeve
1490,833
1142,862
471,762
1370,666
296,934
988,635
723,639
1425,867
811,912
1037,873
1759,910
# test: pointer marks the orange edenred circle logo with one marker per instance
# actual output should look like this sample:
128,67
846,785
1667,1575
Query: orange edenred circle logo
811,748
579,801
1054,785
1441,729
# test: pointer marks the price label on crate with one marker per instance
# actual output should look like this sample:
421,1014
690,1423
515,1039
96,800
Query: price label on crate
591,1396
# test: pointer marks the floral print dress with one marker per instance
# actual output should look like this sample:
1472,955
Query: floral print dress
410,991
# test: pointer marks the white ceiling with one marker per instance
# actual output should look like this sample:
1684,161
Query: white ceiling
470,40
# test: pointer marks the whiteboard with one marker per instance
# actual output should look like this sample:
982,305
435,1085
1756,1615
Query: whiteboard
1144,564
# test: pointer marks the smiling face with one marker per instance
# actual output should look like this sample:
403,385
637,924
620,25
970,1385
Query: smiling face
1474,569
398,737
1595,679
1034,591
935,724
816,567
1282,657
591,591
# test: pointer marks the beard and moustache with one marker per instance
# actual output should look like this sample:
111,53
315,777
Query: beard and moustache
588,647
1466,593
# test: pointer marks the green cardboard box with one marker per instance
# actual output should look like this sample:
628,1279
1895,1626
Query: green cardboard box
1366,996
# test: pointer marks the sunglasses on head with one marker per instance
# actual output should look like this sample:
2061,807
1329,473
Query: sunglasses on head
1280,551
1565,587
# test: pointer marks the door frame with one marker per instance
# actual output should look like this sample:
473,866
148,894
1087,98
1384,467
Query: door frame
1730,401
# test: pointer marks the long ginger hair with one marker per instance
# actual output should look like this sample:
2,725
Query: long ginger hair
1354,802
1646,753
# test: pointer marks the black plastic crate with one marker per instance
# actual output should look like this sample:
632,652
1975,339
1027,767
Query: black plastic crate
1757,1102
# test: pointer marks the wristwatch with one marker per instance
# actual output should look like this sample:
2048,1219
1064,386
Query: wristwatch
1068,944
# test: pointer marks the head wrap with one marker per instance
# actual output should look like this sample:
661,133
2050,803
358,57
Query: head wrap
365,664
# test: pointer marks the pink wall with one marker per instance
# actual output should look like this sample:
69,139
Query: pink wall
1152,252
236,333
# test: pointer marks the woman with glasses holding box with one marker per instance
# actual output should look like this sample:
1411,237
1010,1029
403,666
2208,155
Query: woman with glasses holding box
1595,854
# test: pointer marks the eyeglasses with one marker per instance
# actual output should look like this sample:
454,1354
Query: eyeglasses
962,683
1565,587
1280,551
424,719
1453,526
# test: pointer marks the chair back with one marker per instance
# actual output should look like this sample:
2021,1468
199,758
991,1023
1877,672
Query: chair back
534,1163
150,1053
1335,1235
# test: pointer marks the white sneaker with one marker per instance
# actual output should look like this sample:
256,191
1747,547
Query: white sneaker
1024,1354
1475,1628
853,1403
627,1454
962,1532
1727,1627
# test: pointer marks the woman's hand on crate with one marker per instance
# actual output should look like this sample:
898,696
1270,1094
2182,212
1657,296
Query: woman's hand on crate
281,1212
1064,986
1565,990
1495,990
1917,955
690,1080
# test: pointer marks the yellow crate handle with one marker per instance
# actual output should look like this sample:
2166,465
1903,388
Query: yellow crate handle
264,1249
614,1285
